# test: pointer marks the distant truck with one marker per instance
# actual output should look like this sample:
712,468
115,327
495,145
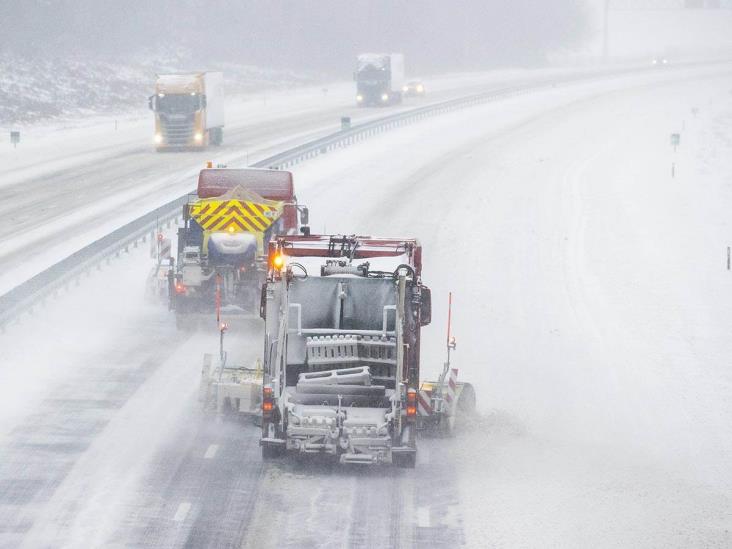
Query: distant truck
222,246
379,79
189,110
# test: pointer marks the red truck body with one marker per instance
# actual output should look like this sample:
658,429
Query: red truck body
364,247
270,184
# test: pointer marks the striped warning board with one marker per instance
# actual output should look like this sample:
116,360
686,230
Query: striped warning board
451,390
424,404
235,215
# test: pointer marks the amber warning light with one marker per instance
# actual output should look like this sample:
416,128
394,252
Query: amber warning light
411,403
267,399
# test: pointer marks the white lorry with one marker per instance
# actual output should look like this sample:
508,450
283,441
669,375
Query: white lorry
379,79
189,110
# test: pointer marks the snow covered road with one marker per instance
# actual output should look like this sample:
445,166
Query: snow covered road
590,312
65,186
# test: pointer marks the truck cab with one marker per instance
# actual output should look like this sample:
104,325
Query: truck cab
379,79
189,110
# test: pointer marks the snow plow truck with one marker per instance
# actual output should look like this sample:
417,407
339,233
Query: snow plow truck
341,366
222,245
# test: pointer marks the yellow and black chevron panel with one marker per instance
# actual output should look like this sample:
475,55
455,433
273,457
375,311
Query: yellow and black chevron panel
234,215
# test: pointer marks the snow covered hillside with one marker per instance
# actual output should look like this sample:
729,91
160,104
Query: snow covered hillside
37,88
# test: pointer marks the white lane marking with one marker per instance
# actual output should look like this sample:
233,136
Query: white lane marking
182,512
211,452
423,517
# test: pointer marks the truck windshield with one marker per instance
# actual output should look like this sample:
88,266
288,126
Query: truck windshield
179,103
371,74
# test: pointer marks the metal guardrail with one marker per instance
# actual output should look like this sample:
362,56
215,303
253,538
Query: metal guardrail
35,291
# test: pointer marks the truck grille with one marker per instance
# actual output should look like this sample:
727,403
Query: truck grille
177,131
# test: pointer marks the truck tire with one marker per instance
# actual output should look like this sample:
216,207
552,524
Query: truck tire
405,461
271,452
464,413
216,136
466,402
183,323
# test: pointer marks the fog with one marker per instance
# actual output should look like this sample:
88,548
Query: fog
311,35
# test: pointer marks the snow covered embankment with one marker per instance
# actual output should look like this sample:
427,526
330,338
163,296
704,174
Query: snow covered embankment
35,89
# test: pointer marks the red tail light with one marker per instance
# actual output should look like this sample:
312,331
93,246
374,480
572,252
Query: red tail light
180,288
267,400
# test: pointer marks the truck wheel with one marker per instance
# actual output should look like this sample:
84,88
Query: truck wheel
271,452
183,324
405,461
464,412
466,402
217,136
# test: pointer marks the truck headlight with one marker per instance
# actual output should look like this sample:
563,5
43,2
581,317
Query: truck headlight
385,97
359,98
420,88
158,138
405,89
198,136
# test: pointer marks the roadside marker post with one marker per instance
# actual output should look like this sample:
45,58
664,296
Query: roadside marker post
675,140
